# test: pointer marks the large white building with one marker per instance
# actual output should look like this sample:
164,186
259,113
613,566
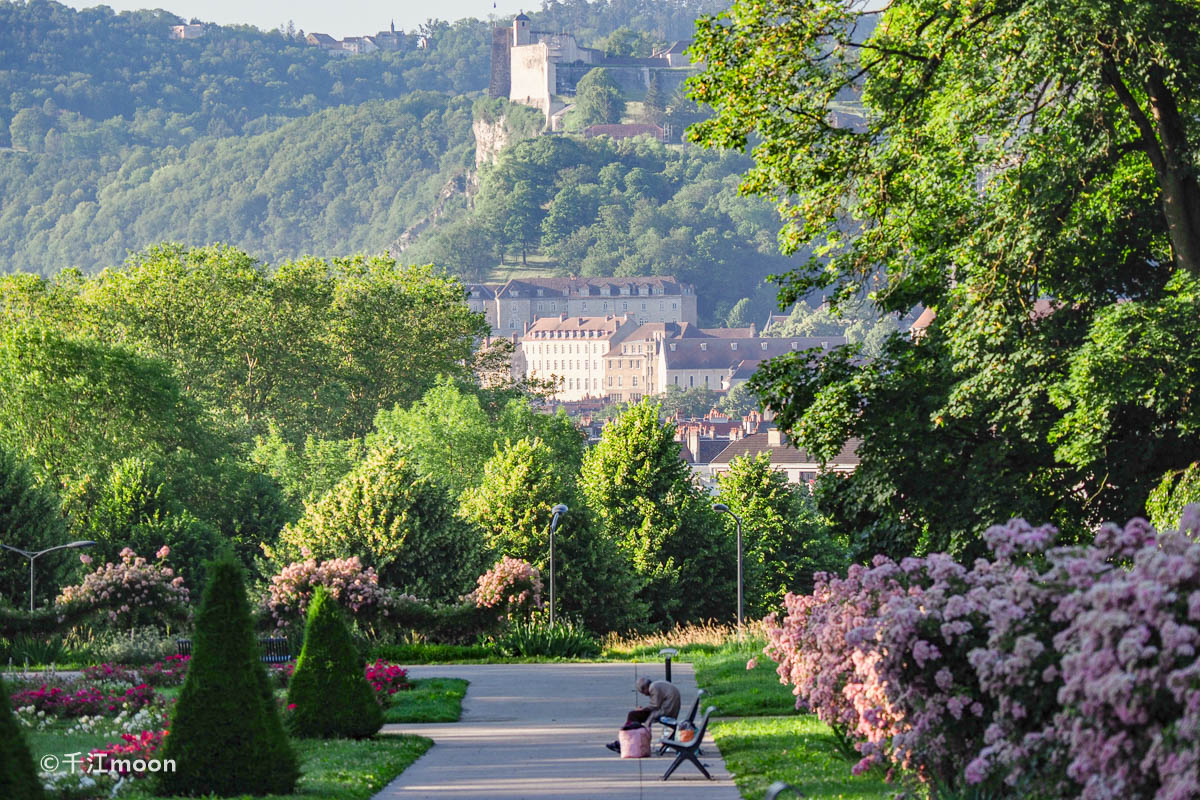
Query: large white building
572,350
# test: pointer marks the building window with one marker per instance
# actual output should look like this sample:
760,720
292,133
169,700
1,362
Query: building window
624,306
618,380
763,345
585,305
691,380
635,380
733,345
674,306
610,380
706,381
704,345
676,380
643,306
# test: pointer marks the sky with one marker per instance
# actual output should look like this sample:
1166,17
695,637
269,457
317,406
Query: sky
339,19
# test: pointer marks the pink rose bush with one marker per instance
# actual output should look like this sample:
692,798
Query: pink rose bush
387,679
87,702
124,758
1046,671
355,587
133,591
512,586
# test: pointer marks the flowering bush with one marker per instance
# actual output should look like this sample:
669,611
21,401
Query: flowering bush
512,586
91,701
122,758
387,679
1056,672
134,591
356,588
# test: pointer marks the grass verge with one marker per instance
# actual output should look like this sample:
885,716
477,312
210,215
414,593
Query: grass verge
739,692
797,749
430,700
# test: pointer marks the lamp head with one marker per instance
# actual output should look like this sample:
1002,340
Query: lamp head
559,509
83,543
720,508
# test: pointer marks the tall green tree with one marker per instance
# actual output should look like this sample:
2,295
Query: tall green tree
512,506
1020,208
785,539
18,777
642,493
598,99
31,520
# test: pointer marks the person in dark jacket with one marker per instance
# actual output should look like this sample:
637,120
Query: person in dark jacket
664,702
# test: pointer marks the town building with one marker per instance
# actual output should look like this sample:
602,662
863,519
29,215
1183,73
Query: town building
194,31
720,363
573,350
523,301
799,465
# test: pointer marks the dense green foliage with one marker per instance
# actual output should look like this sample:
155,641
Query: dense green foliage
598,100
18,777
1177,489
226,736
1024,209
328,695
643,497
785,540
30,520
395,519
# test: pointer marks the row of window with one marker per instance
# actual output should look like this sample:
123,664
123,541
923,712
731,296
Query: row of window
554,349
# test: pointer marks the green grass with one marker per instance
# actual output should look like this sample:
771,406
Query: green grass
799,750
430,700
331,769
739,692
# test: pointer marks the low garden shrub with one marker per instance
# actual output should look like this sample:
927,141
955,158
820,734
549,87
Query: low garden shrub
133,592
536,638
328,694
18,777
226,736
86,702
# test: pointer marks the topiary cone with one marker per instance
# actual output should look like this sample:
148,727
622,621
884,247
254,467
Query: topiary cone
226,736
329,688
18,778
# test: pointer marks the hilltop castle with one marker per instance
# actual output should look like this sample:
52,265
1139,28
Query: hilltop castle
537,68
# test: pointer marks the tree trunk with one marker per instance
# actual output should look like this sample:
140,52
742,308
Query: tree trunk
1181,192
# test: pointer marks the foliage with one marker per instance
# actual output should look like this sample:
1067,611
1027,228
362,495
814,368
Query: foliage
90,701
738,402
856,321
399,522
30,520
18,777
1021,209
306,472
693,402
642,494
1177,490
226,737
512,506
134,592
512,587
328,695
598,100
537,638
355,588
1057,671
786,541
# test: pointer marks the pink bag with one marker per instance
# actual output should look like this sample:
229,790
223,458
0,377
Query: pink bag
635,743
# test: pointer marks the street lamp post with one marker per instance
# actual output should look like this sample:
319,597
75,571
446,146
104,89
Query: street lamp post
721,508
558,511
31,555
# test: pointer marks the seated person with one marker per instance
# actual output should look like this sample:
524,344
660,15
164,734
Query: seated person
664,702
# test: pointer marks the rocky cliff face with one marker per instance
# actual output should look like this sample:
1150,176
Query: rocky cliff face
490,139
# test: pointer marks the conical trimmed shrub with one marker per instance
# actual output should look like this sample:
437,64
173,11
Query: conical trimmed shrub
226,736
18,778
329,689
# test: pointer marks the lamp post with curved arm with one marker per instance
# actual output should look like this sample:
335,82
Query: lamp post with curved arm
721,508
32,556
558,511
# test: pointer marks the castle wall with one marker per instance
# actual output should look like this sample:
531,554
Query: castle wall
633,80
501,63
532,77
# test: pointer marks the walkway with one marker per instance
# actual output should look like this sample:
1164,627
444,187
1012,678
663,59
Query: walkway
538,731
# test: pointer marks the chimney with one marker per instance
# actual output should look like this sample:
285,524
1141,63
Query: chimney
775,437
694,442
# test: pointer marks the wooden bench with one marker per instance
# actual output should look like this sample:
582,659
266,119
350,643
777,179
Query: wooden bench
673,723
687,751
274,650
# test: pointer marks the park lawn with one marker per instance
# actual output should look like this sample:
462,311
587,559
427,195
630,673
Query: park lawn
797,749
739,692
430,700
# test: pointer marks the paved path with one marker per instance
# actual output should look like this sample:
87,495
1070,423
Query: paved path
538,731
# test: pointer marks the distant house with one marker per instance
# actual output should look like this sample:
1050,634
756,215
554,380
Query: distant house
325,42
359,45
196,31
675,55
799,465
626,131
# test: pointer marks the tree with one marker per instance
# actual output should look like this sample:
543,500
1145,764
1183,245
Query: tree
598,99
785,539
1178,489
641,492
394,519
18,777
654,104
627,42
522,482
328,694
1020,209
738,402
29,519
226,737
690,403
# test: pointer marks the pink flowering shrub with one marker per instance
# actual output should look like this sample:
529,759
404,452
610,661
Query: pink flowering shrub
87,702
122,758
355,587
134,592
387,679
1053,672
169,672
512,586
